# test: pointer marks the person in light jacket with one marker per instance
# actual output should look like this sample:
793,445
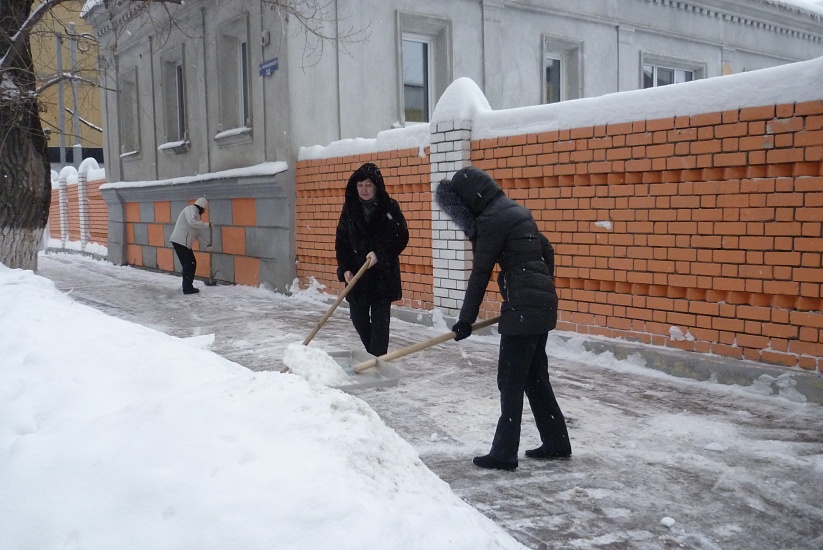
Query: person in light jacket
186,230
371,228
503,232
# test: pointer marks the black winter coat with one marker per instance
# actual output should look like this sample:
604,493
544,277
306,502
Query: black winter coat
386,233
504,232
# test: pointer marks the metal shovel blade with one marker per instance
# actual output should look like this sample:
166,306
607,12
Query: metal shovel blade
382,375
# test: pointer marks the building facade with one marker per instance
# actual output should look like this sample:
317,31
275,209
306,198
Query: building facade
64,43
204,87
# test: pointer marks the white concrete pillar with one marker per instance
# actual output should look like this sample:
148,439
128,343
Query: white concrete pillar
83,199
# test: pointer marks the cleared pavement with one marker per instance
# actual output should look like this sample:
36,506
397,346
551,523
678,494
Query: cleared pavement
733,468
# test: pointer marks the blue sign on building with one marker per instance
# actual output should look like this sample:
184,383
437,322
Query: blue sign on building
267,68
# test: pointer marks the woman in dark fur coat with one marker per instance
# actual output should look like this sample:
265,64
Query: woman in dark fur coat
503,232
372,228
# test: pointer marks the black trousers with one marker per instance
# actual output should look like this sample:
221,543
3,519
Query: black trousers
371,321
524,368
188,263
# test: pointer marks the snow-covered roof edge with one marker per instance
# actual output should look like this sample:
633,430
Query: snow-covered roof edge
88,6
263,169
811,7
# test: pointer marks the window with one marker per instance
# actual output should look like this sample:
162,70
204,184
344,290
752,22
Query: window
417,91
561,70
425,61
661,71
129,110
655,75
553,77
233,64
174,99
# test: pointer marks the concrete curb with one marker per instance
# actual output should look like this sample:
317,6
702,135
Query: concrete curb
784,382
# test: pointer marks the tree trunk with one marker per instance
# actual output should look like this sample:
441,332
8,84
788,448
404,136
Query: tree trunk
25,175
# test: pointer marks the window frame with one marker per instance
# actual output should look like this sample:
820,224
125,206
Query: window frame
698,69
128,112
569,54
438,32
175,100
428,77
233,63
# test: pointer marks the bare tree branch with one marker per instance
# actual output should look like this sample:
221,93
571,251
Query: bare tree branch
62,77
20,38
315,17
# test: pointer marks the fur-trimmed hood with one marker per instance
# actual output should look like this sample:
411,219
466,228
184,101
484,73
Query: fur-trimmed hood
464,197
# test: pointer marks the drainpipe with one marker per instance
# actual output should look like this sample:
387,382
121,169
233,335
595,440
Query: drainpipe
153,110
205,95
337,65
617,29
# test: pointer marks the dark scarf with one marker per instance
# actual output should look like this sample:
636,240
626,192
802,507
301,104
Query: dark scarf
368,207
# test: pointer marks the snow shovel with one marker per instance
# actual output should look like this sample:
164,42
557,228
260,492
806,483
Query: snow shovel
211,281
419,346
336,303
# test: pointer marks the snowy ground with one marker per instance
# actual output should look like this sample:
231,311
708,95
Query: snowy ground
659,462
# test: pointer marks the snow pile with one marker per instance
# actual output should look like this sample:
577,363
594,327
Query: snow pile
110,431
315,365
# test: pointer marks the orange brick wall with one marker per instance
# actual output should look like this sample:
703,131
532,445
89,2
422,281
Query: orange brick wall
54,214
74,213
716,226
321,185
98,215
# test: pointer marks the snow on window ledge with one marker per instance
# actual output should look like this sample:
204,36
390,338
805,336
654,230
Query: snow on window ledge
129,154
175,147
234,136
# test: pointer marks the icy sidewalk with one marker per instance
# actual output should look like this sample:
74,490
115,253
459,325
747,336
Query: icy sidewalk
732,468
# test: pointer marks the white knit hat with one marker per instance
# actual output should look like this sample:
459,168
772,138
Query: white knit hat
202,203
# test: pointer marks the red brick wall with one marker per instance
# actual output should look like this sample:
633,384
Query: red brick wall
54,214
74,213
717,226
98,214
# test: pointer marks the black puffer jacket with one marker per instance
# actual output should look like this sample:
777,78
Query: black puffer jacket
385,233
502,231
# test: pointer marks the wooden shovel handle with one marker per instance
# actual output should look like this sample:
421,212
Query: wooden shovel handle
336,303
420,346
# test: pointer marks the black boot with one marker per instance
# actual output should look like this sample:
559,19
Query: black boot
547,452
491,463
192,290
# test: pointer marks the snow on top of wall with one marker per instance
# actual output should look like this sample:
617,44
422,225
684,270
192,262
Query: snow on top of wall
410,137
794,82
462,100
70,173
263,169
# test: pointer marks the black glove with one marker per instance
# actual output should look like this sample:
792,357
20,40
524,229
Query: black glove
462,329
